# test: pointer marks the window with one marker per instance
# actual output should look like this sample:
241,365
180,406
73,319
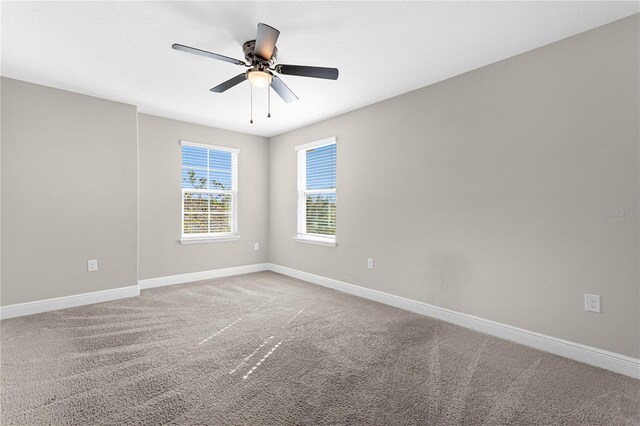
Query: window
209,193
317,192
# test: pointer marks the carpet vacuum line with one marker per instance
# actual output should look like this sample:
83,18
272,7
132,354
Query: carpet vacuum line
248,357
239,319
293,317
219,331
263,359
264,304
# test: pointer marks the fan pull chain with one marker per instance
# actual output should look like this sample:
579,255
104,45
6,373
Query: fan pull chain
269,101
251,118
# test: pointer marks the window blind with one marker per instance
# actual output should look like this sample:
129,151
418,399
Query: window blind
317,189
209,190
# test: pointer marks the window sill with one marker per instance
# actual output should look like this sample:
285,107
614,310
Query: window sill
318,241
196,240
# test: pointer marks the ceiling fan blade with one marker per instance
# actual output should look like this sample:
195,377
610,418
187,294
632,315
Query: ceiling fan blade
305,71
282,90
200,52
266,41
229,83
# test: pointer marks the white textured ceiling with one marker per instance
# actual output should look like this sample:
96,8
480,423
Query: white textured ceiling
122,50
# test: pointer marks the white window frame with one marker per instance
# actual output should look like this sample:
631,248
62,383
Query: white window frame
233,192
301,164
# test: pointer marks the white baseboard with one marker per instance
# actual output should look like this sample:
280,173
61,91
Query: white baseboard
39,306
589,355
199,276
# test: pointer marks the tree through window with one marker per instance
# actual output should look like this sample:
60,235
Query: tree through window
317,190
209,190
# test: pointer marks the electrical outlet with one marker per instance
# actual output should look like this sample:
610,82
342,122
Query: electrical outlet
592,303
256,246
369,263
92,265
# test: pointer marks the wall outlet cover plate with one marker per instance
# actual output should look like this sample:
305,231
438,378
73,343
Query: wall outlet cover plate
592,303
92,265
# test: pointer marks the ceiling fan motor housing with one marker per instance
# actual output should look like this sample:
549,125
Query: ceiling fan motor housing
249,53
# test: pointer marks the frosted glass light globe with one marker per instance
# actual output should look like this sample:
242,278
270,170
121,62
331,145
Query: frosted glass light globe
260,79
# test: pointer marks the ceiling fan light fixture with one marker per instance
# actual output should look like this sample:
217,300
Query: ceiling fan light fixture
259,79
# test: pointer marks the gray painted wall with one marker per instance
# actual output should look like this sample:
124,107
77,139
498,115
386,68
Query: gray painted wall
488,193
161,254
69,193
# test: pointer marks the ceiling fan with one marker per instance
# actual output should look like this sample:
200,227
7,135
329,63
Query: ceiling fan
261,58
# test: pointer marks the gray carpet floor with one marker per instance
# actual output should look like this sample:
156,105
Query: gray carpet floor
267,349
